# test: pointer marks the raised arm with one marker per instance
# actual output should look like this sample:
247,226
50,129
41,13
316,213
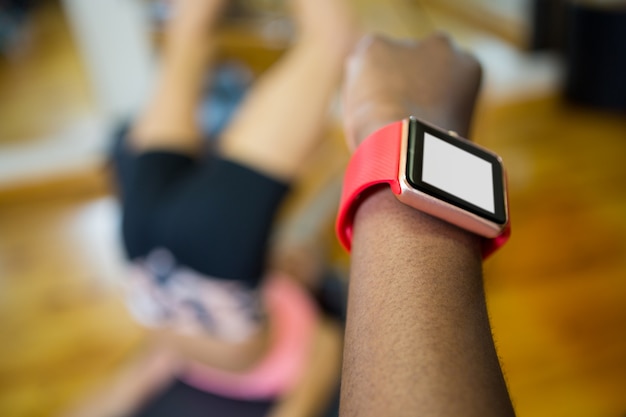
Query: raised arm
418,339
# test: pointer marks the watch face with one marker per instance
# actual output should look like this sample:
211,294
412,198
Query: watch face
456,171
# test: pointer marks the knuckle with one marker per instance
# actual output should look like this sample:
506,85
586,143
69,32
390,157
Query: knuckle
379,44
442,38
473,65
367,48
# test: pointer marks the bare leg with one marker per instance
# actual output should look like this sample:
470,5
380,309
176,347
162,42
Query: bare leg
169,120
282,118
279,124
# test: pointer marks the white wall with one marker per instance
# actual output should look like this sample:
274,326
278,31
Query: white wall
114,39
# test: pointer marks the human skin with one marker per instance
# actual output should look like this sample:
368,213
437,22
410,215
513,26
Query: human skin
418,339
273,132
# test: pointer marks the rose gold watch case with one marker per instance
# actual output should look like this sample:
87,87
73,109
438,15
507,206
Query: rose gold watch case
442,209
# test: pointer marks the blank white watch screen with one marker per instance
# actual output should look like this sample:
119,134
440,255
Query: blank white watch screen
458,172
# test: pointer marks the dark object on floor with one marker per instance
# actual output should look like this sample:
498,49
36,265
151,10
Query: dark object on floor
226,89
180,399
15,16
596,55
332,295
548,25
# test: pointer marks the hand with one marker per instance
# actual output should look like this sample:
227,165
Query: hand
389,80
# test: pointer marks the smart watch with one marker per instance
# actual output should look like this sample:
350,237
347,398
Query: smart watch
434,171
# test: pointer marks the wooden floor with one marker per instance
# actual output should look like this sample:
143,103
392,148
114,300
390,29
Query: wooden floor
45,77
556,293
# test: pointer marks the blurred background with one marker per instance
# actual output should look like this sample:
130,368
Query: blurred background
553,105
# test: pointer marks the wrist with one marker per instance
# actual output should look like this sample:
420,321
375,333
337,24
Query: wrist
362,124
432,171
369,123
393,224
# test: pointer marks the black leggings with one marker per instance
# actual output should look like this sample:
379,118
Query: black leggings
213,215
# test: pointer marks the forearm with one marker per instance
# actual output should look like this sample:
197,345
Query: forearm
418,340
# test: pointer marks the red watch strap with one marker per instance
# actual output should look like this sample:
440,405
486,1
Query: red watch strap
489,246
376,161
